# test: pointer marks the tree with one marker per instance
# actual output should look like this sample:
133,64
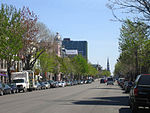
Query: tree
29,20
49,62
140,8
81,66
133,35
36,39
67,67
92,71
40,42
105,73
11,31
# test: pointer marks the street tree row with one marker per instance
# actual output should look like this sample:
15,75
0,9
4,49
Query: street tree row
70,67
134,41
22,37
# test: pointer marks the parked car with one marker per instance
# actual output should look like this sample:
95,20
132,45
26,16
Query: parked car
60,84
140,93
52,83
7,89
47,85
43,86
38,86
110,81
121,82
68,83
89,81
85,81
56,84
102,81
1,89
125,84
78,81
14,88
63,84
128,86
82,82
75,82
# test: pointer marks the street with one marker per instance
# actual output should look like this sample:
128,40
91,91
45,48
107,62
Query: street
86,98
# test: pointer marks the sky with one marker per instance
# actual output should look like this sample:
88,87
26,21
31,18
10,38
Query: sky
85,20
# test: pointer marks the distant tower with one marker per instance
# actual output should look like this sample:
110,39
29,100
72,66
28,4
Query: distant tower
108,69
58,44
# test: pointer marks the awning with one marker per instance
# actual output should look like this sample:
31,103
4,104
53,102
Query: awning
2,74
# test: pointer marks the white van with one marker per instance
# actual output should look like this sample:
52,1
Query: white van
24,80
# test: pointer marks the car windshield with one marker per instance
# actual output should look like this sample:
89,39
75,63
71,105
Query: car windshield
144,80
51,81
110,79
121,80
6,86
18,81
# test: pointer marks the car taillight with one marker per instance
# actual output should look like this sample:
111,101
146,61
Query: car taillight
135,91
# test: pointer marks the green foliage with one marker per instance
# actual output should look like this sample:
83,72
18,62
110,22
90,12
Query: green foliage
66,66
105,73
76,66
133,44
80,64
10,32
49,63
92,71
82,67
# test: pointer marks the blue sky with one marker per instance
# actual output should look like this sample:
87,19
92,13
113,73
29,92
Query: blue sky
79,20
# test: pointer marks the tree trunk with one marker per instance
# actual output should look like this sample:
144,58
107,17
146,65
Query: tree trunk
27,62
55,77
136,64
8,71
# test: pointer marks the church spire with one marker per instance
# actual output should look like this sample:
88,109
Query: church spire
108,69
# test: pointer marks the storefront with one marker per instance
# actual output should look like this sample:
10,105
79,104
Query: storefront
3,76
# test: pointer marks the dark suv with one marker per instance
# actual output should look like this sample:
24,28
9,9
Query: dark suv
140,93
1,90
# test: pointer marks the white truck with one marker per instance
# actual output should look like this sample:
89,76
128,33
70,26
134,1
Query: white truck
24,80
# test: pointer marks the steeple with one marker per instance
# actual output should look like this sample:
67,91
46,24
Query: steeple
57,37
108,69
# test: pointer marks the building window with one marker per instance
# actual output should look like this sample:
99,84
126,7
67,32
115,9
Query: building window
2,64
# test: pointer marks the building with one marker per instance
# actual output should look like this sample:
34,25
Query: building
97,66
58,44
69,53
80,46
108,67
17,66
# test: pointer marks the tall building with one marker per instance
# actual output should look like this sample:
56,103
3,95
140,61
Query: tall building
108,67
80,46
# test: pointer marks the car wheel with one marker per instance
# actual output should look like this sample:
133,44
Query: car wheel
13,91
24,90
133,107
17,91
1,93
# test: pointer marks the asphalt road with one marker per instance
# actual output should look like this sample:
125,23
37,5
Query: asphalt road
87,98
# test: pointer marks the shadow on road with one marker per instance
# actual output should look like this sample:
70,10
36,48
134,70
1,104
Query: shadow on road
114,101
125,110
107,88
